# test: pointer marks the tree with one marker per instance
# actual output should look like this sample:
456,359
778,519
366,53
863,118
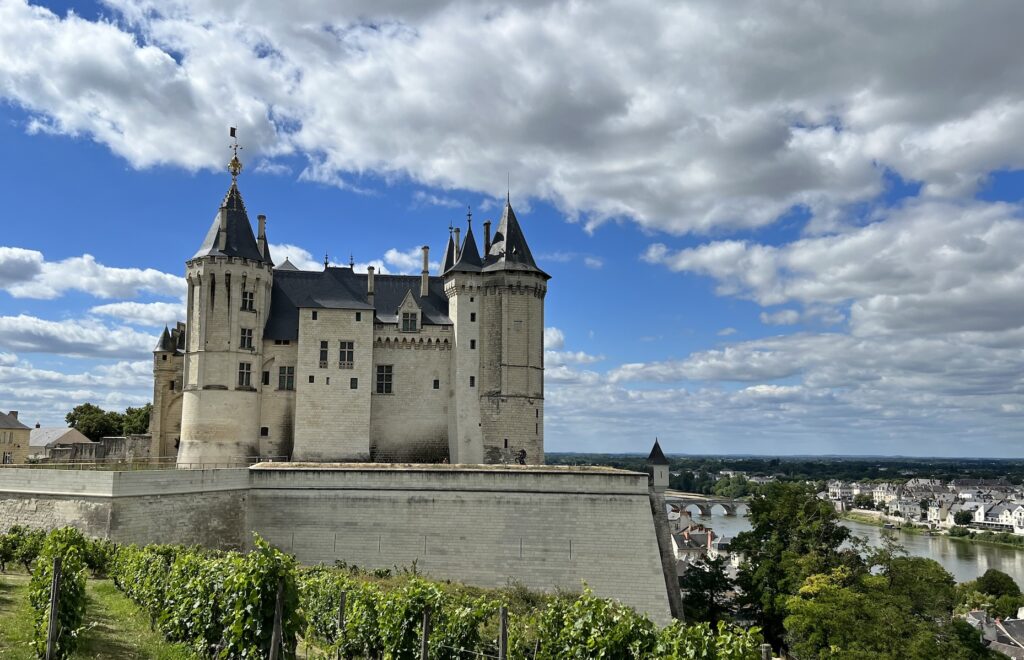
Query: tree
706,584
963,517
793,535
136,420
94,422
863,501
996,583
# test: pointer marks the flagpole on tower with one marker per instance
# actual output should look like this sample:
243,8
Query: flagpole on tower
234,165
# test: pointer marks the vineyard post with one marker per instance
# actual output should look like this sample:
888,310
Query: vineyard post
503,633
51,631
341,622
424,644
275,637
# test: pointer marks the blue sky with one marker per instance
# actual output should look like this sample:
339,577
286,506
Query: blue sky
756,245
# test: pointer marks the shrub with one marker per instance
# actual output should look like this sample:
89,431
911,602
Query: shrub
68,544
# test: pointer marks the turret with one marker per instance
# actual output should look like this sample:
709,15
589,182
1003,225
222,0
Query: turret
229,282
657,468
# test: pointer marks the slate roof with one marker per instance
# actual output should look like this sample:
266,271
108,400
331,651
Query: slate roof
237,239
657,457
287,265
509,250
45,437
449,254
468,260
8,422
342,288
164,343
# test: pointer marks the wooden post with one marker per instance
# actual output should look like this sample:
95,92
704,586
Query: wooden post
275,637
766,652
341,622
51,631
425,642
503,633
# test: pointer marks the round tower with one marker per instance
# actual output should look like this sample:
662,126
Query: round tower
229,282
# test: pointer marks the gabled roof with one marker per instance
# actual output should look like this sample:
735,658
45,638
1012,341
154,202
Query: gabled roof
56,435
657,457
235,239
342,288
8,422
509,250
287,265
469,255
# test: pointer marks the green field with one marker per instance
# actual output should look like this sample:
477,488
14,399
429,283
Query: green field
115,627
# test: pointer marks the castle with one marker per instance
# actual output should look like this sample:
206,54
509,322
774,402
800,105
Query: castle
279,363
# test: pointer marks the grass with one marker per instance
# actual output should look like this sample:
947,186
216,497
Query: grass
116,628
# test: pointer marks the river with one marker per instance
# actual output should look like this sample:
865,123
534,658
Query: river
963,559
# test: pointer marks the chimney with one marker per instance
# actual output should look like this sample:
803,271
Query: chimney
369,285
458,244
14,414
262,219
37,424
487,237
425,273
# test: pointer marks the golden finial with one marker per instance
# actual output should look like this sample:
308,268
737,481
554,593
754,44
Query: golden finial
234,165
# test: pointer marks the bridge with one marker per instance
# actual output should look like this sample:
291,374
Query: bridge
704,503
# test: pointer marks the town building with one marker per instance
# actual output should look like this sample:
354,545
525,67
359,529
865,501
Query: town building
279,363
60,444
14,439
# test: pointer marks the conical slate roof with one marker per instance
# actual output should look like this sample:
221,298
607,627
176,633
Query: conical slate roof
449,254
231,234
509,250
657,457
469,256
165,343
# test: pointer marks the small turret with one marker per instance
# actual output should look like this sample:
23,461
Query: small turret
657,468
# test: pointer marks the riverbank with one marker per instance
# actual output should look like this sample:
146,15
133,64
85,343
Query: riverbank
878,519
988,538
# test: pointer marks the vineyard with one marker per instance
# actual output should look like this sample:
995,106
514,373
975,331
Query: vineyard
262,604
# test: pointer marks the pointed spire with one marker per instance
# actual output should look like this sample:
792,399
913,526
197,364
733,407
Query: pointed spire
508,250
469,254
449,252
657,457
165,344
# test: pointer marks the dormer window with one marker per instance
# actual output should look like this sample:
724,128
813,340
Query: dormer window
410,321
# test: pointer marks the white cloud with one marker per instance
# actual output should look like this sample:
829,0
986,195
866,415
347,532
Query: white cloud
301,258
554,339
73,337
409,261
421,198
781,317
266,166
155,314
726,332
26,274
593,262
720,119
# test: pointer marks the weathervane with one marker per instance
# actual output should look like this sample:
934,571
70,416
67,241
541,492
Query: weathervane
469,215
234,165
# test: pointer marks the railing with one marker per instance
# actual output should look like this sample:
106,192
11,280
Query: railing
153,463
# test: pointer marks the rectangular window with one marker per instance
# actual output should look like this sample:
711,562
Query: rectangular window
346,354
359,317
328,382
311,379
472,317
8,458
353,383
286,378
245,374
282,342
314,316
408,321
472,344
437,384
170,385
472,381
264,431
248,301
246,340
384,374
266,378
323,355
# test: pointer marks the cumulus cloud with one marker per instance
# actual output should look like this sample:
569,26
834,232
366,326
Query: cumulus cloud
155,314
720,119
554,339
781,317
422,198
408,261
26,274
726,332
73,337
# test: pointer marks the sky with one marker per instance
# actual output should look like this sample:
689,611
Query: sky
773,227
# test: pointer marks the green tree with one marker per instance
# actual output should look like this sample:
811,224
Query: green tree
793,535
863,501
94,422
996,583
706,583
963,517
732,487
136,420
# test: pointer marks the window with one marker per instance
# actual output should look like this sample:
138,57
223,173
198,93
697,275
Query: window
282,342
472,317
408,321
359,317
536,429
314,316
311,379
8,458
246,340
248,301
472,344
245,374
472,381
164,358
264,431
437,384
506,443
353,383
471,299
266,378
536,413
323,355
328,381
346,354
384,374
170,385
286,378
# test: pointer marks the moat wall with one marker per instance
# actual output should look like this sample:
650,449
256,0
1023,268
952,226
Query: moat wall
544,527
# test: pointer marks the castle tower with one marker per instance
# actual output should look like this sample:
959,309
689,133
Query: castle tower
512,347
462,286
657,468
229,282
165,419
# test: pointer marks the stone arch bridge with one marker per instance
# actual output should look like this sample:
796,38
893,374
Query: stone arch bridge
704,503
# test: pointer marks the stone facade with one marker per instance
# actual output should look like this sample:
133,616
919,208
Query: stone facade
277,363
14,439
